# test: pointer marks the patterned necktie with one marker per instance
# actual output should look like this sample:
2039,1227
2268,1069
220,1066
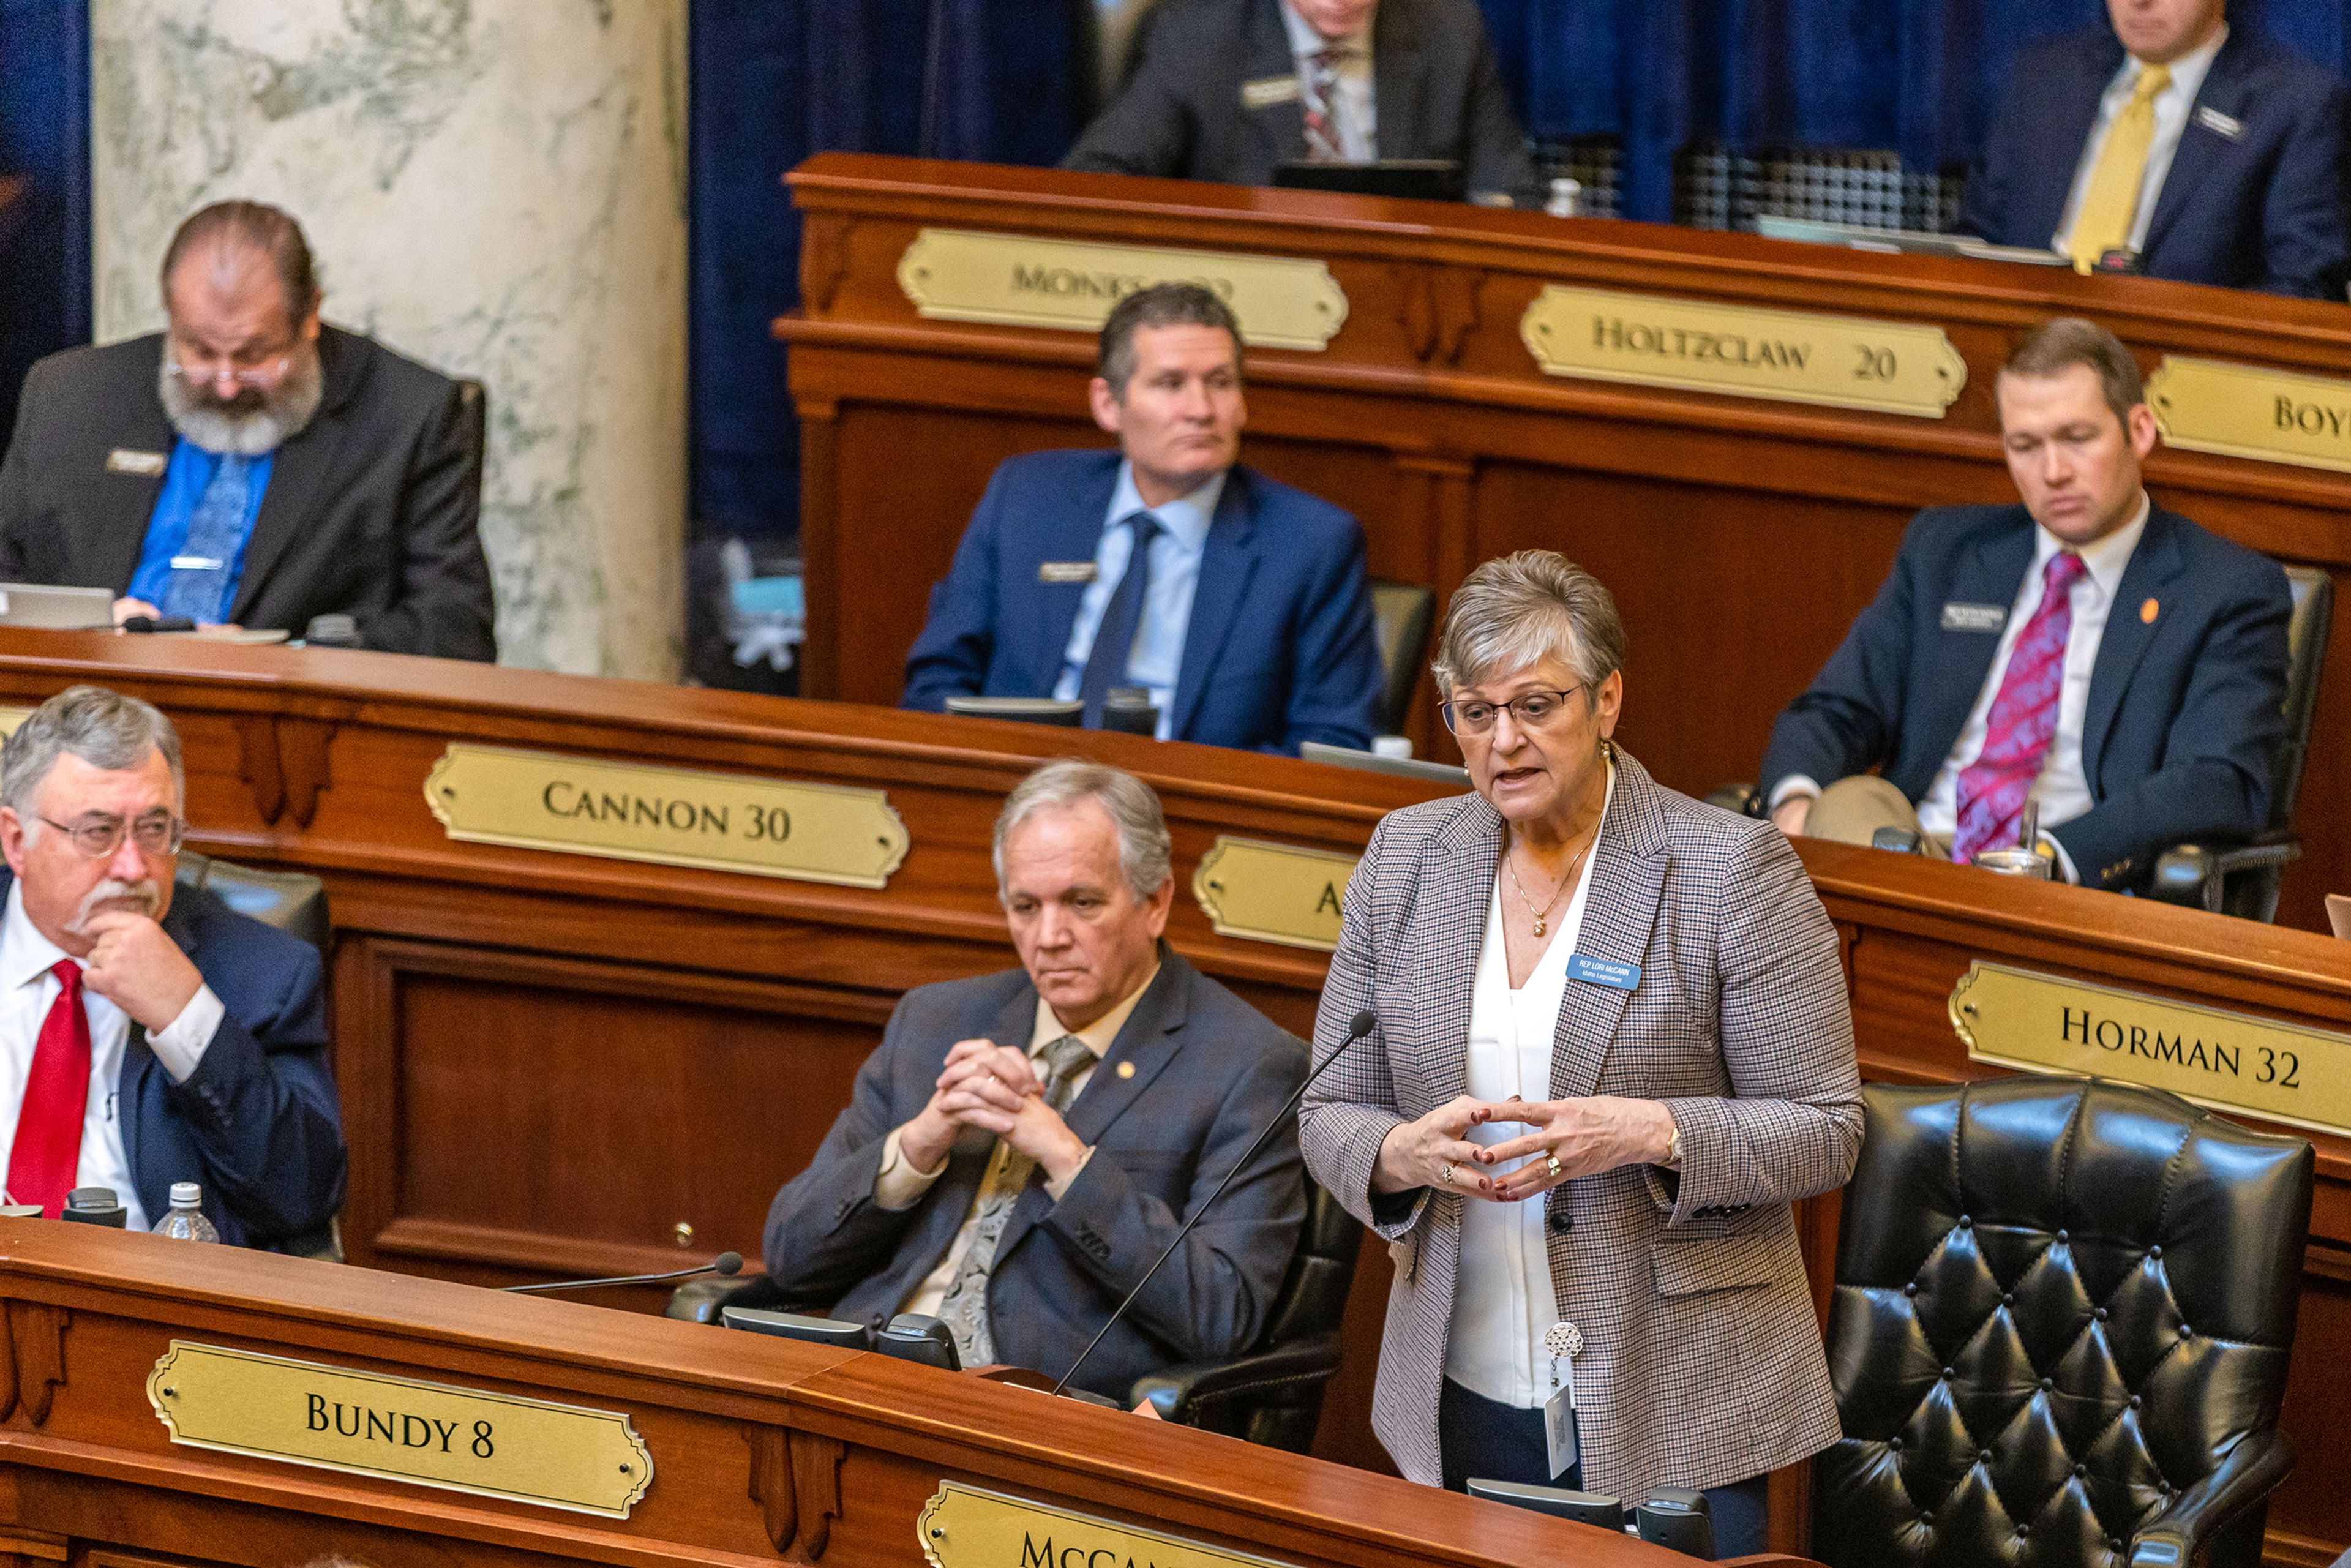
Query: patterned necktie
48,1150
2103,224
2024,718
215,533
1323,142
1122,619
964,1309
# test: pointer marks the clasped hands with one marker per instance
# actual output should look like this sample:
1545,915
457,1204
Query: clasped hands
994,1088
1585,1137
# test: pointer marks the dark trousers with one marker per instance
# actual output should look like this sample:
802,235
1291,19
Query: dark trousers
1482,1437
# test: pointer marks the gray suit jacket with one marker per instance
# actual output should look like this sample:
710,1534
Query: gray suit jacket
1209,1072
1703,1362
1437,92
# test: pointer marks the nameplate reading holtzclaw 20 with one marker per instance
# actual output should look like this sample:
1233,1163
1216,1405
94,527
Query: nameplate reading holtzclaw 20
373,1424
669,816
965,1526
1844,361
957,275
2246,411
1273,893
2232,1061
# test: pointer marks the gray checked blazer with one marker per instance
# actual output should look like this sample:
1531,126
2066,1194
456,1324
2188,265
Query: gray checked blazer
1702,1362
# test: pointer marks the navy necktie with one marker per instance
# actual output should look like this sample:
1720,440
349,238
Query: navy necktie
215,533
1121,618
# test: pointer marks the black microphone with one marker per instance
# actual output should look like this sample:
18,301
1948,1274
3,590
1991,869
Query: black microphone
726,1263
1362,1024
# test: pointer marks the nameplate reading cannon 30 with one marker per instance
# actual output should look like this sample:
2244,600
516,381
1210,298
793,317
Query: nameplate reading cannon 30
1844,361
2245,410
669,816
959,274
372,1423
2230,1061
965,1526
1273,893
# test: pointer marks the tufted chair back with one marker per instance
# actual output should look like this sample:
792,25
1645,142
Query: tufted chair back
2059,1336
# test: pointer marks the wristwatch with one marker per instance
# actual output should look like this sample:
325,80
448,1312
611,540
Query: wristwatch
1674,1150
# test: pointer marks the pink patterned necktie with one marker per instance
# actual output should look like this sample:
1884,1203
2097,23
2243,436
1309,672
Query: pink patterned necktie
2022,721
1323,142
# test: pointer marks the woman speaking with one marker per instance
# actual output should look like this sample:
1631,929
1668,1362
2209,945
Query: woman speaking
1613,1049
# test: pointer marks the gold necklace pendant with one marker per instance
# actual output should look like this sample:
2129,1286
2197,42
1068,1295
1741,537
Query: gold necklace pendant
1540,927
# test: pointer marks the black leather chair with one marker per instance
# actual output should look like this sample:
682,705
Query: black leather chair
295,902
2062,1314
1403,614
1271,1394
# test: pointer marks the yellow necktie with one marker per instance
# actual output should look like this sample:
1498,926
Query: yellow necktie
2104,222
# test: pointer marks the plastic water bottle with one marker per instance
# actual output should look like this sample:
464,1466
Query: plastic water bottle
186,1222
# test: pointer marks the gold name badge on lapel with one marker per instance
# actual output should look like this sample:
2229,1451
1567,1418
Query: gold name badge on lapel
1267,91
1065,572
123,460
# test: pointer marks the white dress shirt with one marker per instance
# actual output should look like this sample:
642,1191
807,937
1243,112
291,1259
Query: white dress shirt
2172,107
27,990
1357,112
1158,653
1503,1298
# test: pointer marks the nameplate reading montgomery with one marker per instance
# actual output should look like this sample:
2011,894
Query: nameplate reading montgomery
2248,410
966,1527
1273,893
2232,1061
668,816
400,1428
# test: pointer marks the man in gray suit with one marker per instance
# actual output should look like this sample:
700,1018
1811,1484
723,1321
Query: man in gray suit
1022,1145
1227,89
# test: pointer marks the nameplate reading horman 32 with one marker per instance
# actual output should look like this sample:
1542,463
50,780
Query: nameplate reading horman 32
1273,893
372,1423
2232,1061
965,1526
669,816
1844,361
2246,411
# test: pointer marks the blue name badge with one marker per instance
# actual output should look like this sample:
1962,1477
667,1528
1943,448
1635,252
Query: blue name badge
1603,972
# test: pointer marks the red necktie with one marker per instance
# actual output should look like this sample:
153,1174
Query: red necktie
2022,721
47,1150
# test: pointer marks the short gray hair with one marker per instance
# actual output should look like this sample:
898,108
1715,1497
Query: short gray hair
104,728
1144,855
1514,610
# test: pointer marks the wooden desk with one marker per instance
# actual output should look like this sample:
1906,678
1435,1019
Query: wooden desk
1739,537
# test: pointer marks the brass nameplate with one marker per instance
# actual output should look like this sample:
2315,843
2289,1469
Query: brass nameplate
371,1423
1845,361
669,816
10,717
1273,893
2232,1061
964,1527
956,274
2245,410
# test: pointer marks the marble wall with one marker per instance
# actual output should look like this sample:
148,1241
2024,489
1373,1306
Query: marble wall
495,187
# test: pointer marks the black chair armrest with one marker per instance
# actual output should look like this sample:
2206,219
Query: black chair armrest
2193,874
700,1301
1738,799
2181,1534
1179,1392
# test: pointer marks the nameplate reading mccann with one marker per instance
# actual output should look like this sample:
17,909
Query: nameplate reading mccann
669,816
2232,1061
371,1424
1273,893
2245,410
956,274
964,1527
1845,361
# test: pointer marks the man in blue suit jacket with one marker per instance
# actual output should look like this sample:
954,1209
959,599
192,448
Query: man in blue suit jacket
1250,620
199,1048
2246,183
2160,707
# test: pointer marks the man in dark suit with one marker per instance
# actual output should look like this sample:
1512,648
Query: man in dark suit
1023,1145
147,1039
2086,651
2209,154
1228,89
1248,618
249,466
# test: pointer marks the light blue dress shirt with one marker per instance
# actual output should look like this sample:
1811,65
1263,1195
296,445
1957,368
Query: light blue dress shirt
185,482
1167,608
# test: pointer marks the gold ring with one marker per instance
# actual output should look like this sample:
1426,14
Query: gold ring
1554,1166
1448,1176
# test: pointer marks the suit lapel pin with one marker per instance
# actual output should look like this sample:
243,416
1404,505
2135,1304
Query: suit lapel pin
2149,611
2221,124
1126,1070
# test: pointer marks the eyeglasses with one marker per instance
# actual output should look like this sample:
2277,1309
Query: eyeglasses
255,378
1529,710
159,832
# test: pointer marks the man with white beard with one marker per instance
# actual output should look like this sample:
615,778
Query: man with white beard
249,466
147,1039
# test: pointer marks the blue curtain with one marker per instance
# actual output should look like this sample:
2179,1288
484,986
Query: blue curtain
45,140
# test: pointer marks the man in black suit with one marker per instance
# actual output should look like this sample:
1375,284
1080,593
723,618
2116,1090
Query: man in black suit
1228,89
1022,1145
249,466
2205,151
2086,651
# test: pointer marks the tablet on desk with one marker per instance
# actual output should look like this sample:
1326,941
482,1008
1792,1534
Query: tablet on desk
1412,179
51,609
1902,242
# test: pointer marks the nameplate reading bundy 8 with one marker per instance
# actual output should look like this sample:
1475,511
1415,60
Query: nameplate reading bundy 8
2229,1061
2246,411
373,1424
1273,893
959,274
965,1526
1844,361
668,816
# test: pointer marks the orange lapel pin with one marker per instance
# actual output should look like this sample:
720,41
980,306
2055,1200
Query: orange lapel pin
2149,611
